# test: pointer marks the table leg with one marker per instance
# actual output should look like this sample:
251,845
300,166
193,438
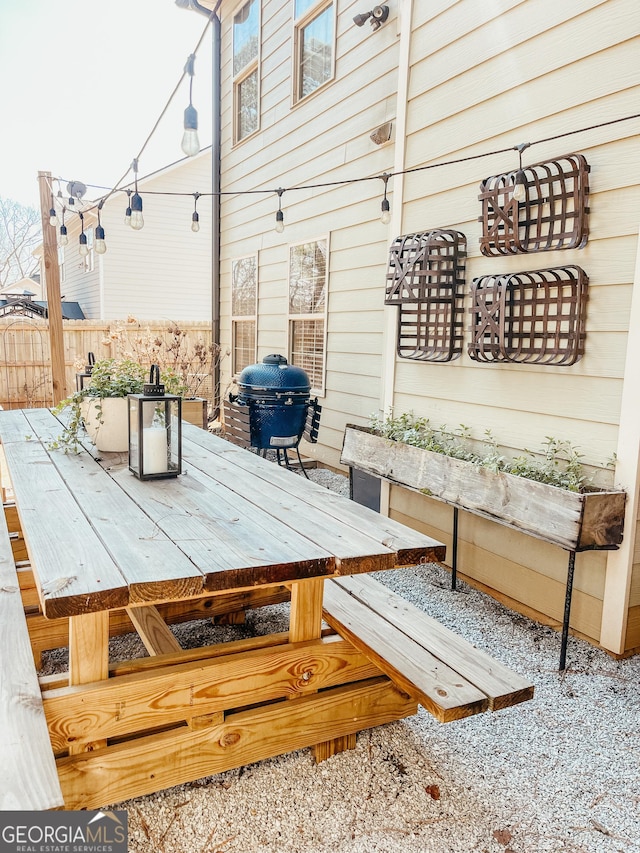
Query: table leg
88,656
305,620
305,623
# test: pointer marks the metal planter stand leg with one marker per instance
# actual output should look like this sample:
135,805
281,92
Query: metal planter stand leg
567,610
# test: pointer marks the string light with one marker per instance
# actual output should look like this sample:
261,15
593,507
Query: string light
520,184
100,246
279,213
127,213
190,141
84,246
137,219
195,219
64,237
385,217
53,218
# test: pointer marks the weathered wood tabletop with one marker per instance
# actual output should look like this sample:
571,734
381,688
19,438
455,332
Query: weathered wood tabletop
100,541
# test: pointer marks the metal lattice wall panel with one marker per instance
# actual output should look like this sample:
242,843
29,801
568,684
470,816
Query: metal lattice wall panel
536,317
553,215
426,280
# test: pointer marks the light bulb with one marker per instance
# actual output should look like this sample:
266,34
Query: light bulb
84,248
64,238
195,222
519,188
127,216
100,246
385,217
137,219
279,222
53,218
190,141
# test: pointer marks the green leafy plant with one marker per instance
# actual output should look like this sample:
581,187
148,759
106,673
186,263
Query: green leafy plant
110,377
557,464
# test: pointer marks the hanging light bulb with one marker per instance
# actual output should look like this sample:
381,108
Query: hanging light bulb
84,246
127,213
385,216
279,213
190,141
137,219
520,182
99,245
64,237
53,218
520,186
195,219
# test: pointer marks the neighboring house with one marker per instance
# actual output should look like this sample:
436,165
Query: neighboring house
311,98
160,272
25,288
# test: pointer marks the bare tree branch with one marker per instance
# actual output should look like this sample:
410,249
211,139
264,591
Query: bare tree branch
20,234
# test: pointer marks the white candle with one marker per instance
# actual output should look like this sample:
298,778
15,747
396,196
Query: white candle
154,450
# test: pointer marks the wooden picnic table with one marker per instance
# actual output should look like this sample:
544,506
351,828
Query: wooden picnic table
102,543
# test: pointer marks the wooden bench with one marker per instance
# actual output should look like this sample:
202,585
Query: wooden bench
28,779
446,674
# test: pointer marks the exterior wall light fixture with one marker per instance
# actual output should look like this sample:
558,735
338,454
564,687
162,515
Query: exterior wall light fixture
377,16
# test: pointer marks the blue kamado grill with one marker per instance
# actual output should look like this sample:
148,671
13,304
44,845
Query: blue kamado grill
278,396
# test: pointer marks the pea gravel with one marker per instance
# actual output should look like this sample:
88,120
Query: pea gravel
558,773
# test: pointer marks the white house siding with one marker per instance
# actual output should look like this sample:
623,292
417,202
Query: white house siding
482,77
324,138
160,272
486,77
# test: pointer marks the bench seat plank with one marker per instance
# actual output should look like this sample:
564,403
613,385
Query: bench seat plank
429,640
28,777
424,677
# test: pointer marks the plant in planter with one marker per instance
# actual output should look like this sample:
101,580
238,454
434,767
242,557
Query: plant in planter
101,406
547,495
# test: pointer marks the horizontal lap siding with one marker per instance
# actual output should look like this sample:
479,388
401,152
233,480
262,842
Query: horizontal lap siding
323,139
486,77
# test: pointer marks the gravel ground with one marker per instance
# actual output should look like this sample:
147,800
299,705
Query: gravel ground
560,772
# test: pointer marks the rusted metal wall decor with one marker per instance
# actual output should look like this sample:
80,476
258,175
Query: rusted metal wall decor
553,215
426,280
535,317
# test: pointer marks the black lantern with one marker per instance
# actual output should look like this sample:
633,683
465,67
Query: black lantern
155,431
82,377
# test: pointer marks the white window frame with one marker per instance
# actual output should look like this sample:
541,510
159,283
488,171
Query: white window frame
318,315
243,74
88,261
299,24
243,318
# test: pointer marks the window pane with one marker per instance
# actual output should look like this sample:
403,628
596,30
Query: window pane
307,278
245,36
307,349
301,7
244,287
316,43
248,105
244,344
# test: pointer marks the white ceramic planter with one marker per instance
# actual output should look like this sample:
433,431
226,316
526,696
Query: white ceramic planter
109,430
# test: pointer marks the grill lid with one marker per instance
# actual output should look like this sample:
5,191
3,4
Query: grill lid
274,373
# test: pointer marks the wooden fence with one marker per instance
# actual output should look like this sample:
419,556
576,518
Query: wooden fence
25,353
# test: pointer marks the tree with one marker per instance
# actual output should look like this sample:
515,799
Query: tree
20,233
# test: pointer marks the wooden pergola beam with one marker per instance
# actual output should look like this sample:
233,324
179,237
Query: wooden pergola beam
51,272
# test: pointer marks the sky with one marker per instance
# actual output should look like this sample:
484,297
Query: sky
82,84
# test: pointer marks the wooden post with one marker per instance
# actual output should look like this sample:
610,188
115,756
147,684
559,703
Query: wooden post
51,272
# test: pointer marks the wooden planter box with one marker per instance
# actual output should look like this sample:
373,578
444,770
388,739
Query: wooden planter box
575,521
195,412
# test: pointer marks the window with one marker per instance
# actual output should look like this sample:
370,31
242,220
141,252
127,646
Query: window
314,40
246,49
61,262
308,309
88,261
244,308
